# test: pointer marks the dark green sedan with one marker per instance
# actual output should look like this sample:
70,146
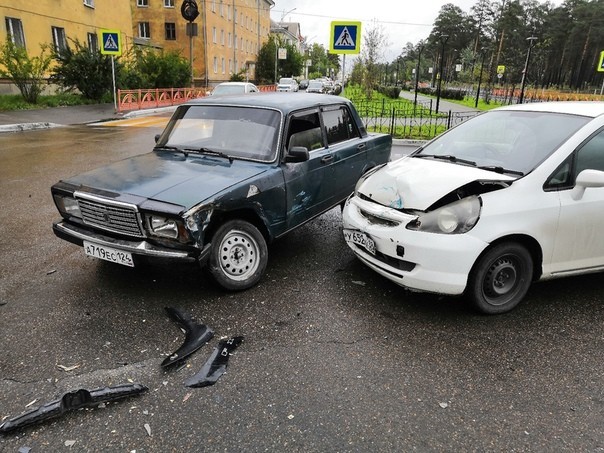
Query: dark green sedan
226,177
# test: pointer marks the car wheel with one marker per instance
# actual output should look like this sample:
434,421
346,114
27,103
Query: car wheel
500,278
238,255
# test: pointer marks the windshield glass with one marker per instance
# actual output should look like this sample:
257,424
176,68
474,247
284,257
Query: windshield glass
286,81
239,132
229,89
510,140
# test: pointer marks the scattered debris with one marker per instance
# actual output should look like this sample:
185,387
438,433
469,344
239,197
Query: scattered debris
68,368
71,401
148,429
196,335
216,364
187,396
24,450
358,282
70,443
290,416
51,272
443,405
31,403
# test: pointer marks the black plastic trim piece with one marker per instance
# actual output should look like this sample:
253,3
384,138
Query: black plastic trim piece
216,364
196,335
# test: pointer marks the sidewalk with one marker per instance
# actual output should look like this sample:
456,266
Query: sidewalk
21,120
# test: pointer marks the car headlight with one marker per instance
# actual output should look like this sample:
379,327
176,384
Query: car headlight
68,206
456,218
162,226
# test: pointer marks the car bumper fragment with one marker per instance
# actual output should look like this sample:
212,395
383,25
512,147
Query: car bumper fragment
216,364
196,335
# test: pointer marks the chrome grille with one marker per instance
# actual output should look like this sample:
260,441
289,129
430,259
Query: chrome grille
116,217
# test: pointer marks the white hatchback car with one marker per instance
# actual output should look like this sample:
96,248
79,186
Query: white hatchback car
509,197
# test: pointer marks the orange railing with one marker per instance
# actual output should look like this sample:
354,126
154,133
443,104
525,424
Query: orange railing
163,97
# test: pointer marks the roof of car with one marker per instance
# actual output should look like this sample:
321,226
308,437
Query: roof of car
584,108
285,102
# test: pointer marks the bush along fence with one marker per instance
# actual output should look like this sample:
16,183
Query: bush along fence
402,119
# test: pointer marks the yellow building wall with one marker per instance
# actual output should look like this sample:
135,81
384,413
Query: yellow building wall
76,18
234,32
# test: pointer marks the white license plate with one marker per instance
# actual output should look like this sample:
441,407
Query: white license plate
108,254
360,238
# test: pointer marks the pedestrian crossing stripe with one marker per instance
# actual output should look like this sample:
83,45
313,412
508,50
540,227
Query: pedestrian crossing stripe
110,42
345,37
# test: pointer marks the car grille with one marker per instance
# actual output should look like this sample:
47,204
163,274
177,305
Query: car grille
119,218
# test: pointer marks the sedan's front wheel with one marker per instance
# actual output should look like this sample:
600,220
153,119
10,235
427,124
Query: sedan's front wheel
238,255
500,278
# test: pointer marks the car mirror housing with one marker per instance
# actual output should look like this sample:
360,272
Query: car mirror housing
585,179
297,154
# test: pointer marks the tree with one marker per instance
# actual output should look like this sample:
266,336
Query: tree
84,69
374,41
28,74
266,70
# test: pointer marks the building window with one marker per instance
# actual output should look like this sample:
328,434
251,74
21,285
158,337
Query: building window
229,12
170,31
89,3
214,35
222,37
230,42
230,66
143,3
221,9
213,7
168,3
215,65
59,40
143,30
223,66
93,42
14,30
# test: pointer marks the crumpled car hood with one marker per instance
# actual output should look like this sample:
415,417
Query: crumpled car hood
170,177
417,183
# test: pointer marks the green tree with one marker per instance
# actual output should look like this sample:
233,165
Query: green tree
84,69
151,68
27,73
374,41
266,70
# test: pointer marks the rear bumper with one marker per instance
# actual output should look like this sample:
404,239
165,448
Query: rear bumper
77,235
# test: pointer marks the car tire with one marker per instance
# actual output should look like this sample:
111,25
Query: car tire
238,255
500,278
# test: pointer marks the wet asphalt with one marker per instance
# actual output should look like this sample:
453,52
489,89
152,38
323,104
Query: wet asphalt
335,358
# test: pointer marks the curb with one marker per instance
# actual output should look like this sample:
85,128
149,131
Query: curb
27,127
408,142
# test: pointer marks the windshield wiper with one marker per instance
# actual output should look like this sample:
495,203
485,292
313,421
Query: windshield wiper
211,152
172,148
498,169
449,158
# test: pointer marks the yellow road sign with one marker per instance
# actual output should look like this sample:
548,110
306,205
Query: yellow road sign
345,37
111,43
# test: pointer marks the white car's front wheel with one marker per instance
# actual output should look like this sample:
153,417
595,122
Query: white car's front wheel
500,278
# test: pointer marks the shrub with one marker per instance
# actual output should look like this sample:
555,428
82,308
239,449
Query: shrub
83,69
28,74
149,68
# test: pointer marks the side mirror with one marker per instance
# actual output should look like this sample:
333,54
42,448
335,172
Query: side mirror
297,154
585,179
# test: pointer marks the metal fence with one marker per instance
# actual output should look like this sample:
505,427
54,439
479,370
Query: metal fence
405,120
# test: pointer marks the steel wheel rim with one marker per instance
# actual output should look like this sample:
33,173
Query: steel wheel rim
239,255
501,280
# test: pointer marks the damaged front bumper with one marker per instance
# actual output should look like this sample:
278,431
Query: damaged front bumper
77,235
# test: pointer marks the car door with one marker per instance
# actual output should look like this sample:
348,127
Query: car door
309,185
348,150
579,242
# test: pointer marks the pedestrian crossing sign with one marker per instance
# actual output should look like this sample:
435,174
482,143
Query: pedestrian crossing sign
345,37
110,42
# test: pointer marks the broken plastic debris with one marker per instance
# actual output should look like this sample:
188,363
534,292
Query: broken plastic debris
443,405
68,368
216,364
70,443
358,282
148,429
196,335
71,401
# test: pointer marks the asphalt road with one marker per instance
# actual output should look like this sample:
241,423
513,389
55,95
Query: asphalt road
335,357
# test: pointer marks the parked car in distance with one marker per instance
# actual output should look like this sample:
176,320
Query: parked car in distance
287,84
303,84
227,176
509,197
230,88
315,86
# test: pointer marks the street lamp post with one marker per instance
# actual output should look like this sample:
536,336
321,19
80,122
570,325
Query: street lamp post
419,57
443,41
531,40
479,80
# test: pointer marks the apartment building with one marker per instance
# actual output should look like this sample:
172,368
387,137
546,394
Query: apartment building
227,34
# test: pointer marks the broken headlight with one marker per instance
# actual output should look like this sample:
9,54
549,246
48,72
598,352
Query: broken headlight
455,218
68,206
162,226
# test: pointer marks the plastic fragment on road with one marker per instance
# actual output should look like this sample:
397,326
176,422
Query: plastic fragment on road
71,401
196,335
148,429
216,364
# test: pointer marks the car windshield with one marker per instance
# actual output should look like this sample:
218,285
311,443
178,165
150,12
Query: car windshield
228,89
286,81
237,132
509,141
315,84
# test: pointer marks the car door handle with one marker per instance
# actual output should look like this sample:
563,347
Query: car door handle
361,146
327,159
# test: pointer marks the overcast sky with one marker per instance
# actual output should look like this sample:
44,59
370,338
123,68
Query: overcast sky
403,20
